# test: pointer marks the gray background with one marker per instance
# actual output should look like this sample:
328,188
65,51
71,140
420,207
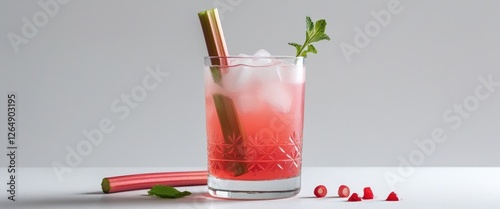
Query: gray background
366,112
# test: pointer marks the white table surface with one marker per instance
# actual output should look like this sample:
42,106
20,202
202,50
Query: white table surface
424,188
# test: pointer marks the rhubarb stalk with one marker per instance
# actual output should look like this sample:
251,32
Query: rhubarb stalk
148,180
224,105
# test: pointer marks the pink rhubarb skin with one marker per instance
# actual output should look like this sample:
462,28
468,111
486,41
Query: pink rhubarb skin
148,180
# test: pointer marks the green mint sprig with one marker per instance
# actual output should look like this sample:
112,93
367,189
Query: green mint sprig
167,192
314,32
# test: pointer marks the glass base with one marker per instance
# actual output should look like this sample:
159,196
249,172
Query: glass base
264,189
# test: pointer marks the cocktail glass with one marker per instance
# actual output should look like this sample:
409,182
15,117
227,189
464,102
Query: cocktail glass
254,121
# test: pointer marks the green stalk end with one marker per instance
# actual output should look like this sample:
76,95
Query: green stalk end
105,185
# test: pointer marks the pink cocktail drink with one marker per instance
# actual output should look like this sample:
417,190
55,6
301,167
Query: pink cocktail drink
267,97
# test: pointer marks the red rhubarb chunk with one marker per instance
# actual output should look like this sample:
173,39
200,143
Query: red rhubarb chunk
354,198
344,191
367,193
320,191
392,197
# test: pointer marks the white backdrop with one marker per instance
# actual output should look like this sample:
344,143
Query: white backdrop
402,82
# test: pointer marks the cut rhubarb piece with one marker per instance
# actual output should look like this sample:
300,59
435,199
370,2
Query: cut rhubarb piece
320,191
344,191
392,197
354,198
367,193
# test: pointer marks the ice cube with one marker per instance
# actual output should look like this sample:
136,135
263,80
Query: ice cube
291,73
247,102
237,78
265,75
277,96
244,73
235,61
244,78
252,62
262,53
248,59
262,60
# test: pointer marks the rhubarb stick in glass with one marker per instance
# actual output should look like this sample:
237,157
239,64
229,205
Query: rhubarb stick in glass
228,117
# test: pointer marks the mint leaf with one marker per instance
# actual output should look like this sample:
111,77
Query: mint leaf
167,192
320,26
314,32
320,38
309,24
311,49
296,45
